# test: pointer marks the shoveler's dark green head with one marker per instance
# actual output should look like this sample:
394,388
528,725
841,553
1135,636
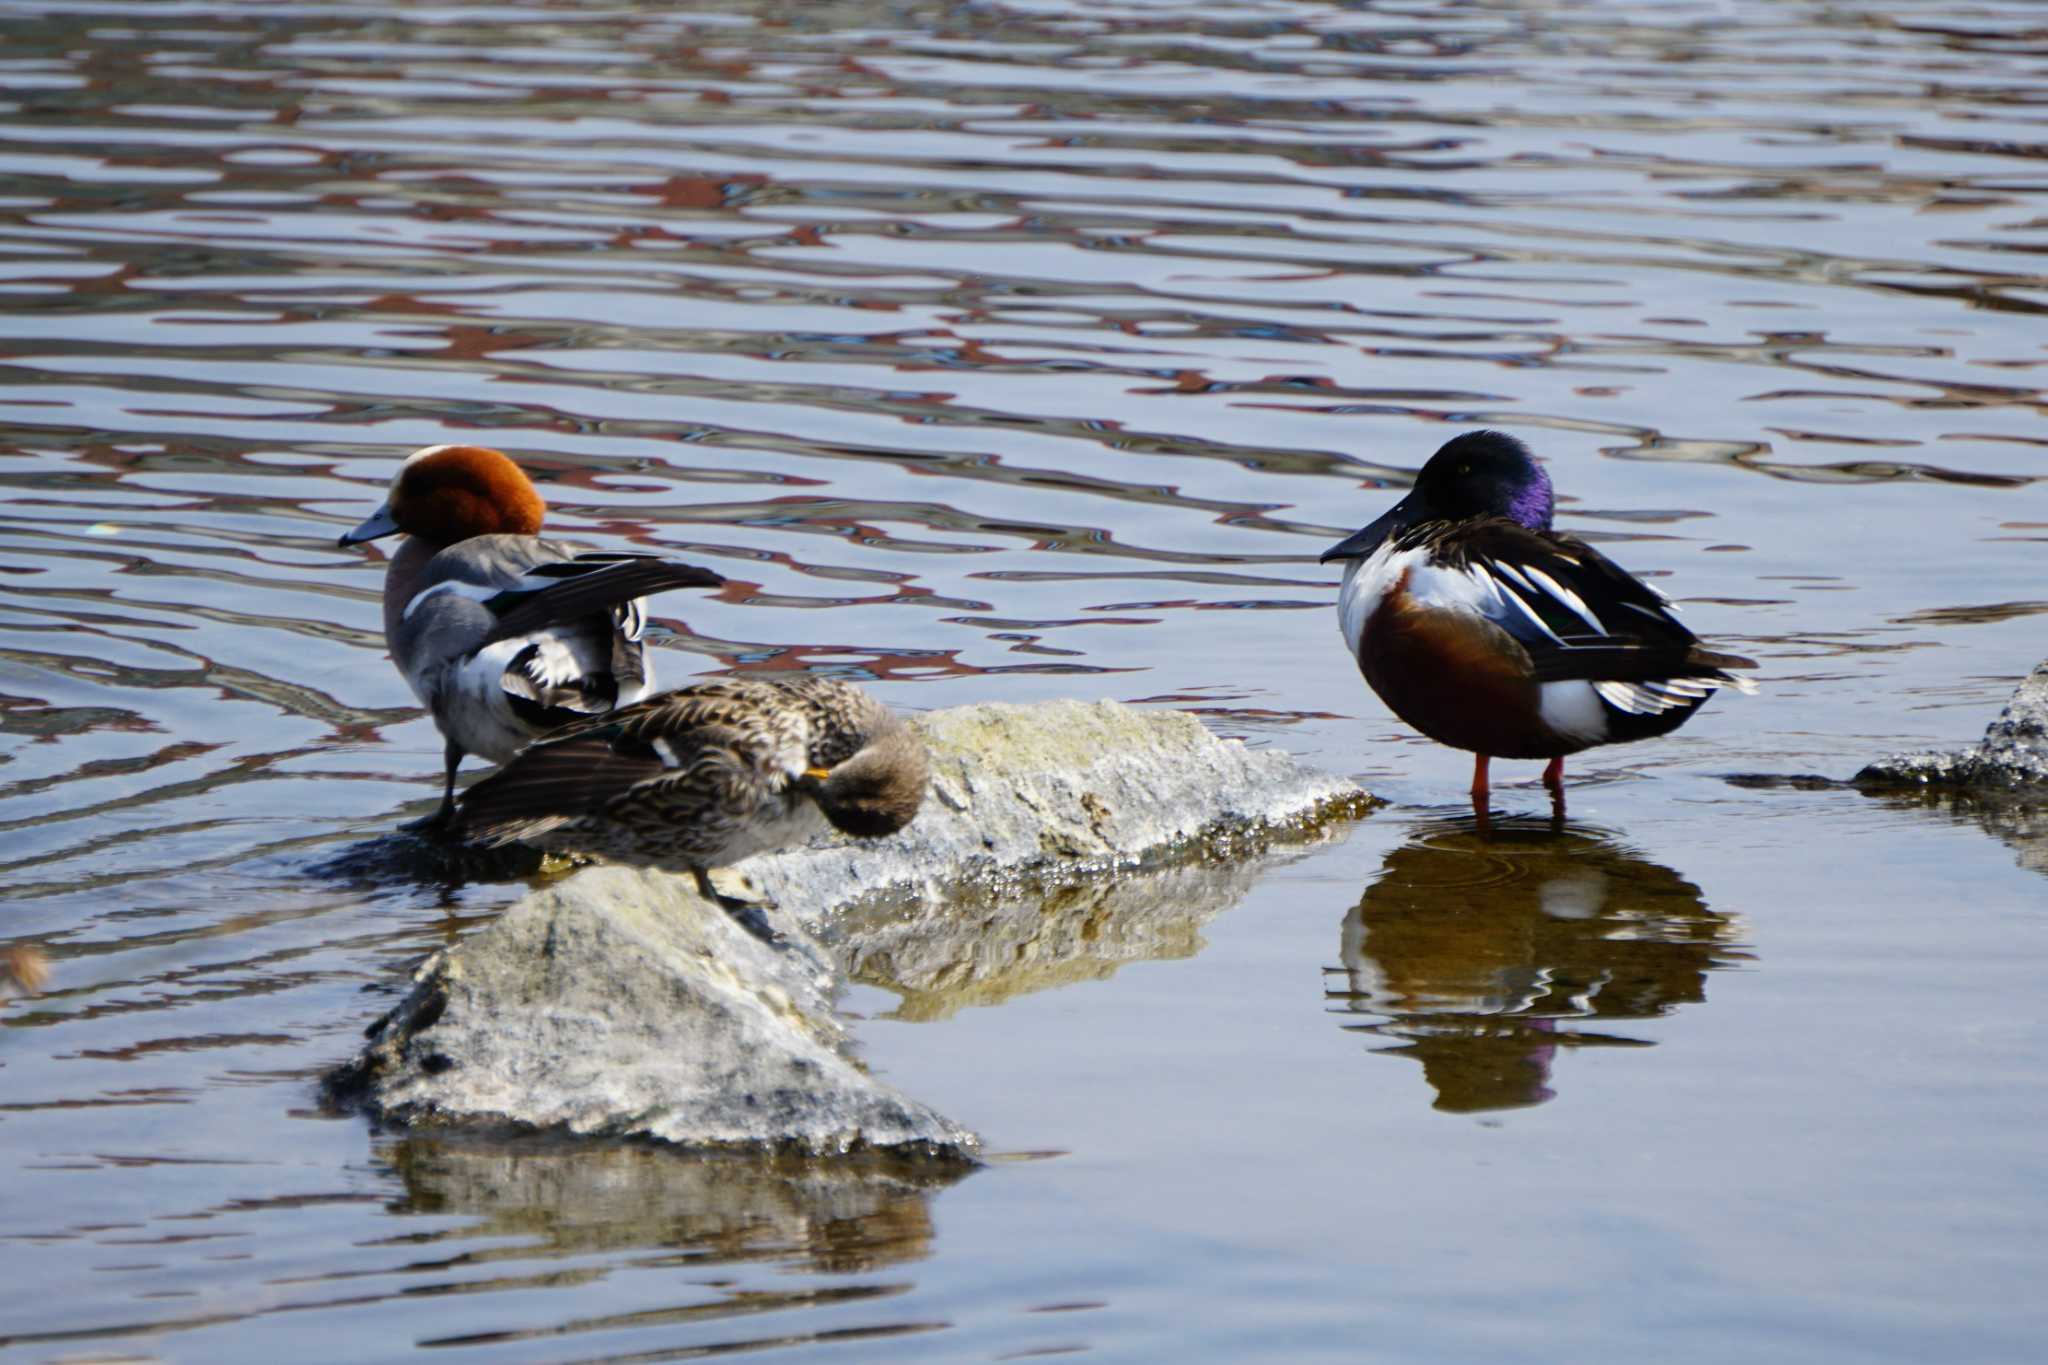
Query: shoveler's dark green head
1479,474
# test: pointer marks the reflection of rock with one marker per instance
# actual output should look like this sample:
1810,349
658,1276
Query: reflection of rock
944,957
617,1002
838,1217
1474,949
2012,754
2017,817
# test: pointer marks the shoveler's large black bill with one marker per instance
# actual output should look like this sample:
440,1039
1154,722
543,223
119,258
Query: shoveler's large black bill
1364,541
376,526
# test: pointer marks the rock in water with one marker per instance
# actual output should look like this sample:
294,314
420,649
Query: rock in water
2013,753
619,1003
1062,787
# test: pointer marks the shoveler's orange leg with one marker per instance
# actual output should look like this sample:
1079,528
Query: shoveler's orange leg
1553,778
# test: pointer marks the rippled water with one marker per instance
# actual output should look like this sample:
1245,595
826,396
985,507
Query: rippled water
1045,345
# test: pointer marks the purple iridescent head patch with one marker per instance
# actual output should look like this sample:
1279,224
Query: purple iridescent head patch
1533,503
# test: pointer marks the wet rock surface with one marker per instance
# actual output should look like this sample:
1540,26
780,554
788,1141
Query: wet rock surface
1058,840
2000,784
2013,755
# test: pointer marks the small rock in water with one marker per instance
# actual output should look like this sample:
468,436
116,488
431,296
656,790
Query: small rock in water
2013,754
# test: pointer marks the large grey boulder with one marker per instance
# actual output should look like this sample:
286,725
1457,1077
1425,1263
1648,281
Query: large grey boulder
617,1002
2013,754
1060,788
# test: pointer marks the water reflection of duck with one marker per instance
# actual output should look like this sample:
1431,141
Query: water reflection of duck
1475,948
502,635
1486,630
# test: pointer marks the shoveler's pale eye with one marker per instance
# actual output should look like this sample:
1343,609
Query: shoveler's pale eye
1488,631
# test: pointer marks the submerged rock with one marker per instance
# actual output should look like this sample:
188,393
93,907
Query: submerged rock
2012,755
618,1002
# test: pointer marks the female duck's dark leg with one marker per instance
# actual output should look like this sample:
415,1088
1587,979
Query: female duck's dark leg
1553,778
749,915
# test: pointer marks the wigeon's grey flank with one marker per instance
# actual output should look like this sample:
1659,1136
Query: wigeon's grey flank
502,635
707,775
1486,630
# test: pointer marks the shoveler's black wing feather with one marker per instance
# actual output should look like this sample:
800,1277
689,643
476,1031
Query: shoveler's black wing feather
569,590
1577,613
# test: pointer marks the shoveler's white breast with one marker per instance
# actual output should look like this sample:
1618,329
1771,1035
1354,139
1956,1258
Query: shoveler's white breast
1368,581
1366,585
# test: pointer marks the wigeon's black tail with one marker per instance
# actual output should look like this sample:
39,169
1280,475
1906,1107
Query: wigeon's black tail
572,589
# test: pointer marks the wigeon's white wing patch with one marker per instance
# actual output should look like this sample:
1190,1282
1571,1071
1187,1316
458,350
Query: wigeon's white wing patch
475,592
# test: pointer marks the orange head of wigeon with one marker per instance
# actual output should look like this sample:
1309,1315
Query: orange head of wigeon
446,494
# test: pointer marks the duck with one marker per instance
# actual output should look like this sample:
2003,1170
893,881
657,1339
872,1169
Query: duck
1487,630
504,635
706,775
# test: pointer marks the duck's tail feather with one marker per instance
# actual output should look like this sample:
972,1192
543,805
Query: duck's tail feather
555,594
550,784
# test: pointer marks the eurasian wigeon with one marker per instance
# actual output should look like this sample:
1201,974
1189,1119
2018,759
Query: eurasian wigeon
707,775
501,634
1486,630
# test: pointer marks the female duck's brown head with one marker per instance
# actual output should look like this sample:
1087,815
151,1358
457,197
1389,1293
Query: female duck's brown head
878,790
446,494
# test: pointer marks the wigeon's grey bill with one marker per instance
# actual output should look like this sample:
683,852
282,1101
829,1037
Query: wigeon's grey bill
376,526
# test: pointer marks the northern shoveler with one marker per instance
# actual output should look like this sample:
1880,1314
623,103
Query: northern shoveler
1486,630
501,634
707,775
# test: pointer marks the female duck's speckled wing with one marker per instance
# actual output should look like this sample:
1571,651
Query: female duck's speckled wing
675,778
1579,616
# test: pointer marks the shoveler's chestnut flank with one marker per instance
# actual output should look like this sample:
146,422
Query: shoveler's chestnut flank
1486,630
707,775
503,635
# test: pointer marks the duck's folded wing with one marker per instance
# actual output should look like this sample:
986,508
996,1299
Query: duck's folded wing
563,591
672,777
1577,614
